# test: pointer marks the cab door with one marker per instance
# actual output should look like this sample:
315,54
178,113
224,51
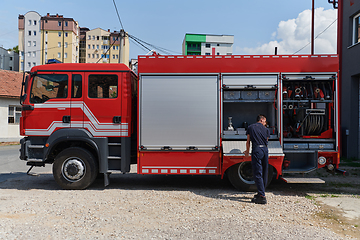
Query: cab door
102,104
49,104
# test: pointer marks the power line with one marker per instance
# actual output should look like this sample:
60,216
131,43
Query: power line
117,12
160,49
316,37
141,42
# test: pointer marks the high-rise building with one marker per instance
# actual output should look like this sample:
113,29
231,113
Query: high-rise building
47,37
207,44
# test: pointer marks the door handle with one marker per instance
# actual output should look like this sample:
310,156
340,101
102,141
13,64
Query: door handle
66,119
117,119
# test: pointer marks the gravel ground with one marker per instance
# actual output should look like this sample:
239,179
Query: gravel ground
155,207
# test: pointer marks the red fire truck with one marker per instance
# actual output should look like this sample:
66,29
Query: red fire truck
181,115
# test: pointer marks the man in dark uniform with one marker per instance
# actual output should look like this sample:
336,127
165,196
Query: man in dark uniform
259,135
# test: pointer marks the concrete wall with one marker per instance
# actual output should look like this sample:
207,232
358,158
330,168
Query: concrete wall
8,132
350,73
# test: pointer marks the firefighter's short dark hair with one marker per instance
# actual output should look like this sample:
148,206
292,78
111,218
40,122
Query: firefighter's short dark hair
260,116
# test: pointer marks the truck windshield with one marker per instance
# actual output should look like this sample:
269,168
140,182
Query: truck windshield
48,86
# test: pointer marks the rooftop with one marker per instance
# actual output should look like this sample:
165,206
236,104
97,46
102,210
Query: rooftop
10,82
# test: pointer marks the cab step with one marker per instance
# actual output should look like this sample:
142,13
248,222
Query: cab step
302,180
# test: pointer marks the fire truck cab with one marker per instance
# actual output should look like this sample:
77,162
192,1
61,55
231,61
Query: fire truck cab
181,115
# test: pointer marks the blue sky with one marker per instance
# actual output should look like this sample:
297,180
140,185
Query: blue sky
257,25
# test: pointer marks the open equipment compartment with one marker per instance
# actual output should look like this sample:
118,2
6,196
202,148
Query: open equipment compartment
246,96
309,119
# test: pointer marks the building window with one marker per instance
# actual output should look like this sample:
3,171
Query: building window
93,37
59,55
34,22
29,22
97,38
59,23
113,56
65,55
29,43
93,55
29,64
89,46
66,23
117,47
10,58
34,43
34,33
89,55
29,33
207,45
34,54
66,34
14,114
97,46
29,54
117,56
59,44
34,64
59,34
97,55
356,29
89,38
66,45
93,46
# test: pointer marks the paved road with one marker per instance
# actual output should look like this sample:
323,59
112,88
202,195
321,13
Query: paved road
11,165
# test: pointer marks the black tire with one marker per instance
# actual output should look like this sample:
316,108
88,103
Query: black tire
241,176
75,168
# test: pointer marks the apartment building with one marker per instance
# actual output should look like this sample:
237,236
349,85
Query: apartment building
207,44
104,46
9,60
47,37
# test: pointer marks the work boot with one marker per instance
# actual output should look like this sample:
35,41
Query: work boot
259,200
255,198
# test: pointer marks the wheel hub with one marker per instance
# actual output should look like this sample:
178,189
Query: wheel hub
73,169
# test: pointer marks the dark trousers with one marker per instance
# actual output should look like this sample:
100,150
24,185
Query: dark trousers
260,163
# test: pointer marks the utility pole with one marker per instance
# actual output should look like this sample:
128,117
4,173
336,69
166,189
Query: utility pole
312,27
121,47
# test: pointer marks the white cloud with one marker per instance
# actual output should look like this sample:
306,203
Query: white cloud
294,34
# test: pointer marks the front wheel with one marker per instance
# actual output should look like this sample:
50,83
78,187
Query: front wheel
241,176
75,168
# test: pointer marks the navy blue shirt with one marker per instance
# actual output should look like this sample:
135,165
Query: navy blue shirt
258,134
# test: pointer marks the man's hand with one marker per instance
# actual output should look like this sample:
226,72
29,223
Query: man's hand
246,152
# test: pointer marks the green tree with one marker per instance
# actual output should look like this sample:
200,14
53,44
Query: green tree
15,49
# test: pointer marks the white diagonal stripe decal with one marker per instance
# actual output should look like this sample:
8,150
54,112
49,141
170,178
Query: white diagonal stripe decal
93,125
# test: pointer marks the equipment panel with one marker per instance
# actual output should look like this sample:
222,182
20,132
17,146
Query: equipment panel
179,112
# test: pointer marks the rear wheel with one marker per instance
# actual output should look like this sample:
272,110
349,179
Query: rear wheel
241,176
75,168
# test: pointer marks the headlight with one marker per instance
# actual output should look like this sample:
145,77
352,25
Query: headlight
321,160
